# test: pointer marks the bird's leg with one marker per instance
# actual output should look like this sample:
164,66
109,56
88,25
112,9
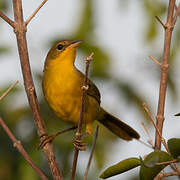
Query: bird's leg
45,138
78,141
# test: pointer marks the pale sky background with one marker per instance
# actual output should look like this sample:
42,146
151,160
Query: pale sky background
121,32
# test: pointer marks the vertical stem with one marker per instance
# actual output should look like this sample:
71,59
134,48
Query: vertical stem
78,133
91,154
20,30
164,73
76,151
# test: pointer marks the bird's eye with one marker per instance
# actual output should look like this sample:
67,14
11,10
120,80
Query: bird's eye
60,46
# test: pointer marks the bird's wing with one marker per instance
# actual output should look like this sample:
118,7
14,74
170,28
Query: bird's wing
92,91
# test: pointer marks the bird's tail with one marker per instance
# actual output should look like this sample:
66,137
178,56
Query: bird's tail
116,126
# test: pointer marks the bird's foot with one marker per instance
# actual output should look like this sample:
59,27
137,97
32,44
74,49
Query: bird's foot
45,138
78,141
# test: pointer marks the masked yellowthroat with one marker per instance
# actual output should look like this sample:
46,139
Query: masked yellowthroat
62,83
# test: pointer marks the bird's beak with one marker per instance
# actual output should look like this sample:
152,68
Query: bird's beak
75,44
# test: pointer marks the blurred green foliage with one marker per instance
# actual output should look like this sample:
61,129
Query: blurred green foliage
19,119
152,10
3,5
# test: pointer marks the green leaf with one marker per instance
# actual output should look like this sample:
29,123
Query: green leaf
149,169
174,147
120,167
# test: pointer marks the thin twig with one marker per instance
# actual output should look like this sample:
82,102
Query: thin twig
78,133
5,18
9,89
142,142
162,175
20,31
164,74
35,12
148,135
17,144
91,154
176,14
167,162
155,60
151,118
160,21
177,169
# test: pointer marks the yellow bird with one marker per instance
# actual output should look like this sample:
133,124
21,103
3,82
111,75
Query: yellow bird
62,88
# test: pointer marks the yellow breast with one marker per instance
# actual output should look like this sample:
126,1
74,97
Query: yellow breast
62,90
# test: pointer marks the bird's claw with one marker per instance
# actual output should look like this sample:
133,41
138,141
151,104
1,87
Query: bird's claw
46,139
78,143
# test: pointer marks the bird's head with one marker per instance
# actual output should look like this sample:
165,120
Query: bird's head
62,51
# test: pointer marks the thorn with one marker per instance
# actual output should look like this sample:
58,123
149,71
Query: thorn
160,22
155,60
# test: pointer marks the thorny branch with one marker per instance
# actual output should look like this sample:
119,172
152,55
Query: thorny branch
20,29
168,27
